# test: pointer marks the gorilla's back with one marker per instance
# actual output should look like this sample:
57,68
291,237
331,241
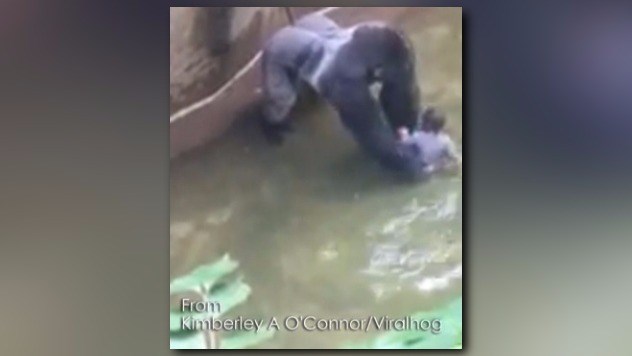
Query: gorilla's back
319,24
289,44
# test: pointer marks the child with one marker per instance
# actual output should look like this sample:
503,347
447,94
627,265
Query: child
437,149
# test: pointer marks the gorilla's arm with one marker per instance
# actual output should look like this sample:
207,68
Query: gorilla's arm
361,114
399,96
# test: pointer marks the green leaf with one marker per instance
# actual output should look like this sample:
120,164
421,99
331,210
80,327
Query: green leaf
452,311
246,339
175,319
230,296
410,339
193,340
204,277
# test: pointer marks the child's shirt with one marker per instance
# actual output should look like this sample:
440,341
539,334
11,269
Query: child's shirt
437,149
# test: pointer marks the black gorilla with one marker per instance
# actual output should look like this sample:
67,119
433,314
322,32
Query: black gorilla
341,64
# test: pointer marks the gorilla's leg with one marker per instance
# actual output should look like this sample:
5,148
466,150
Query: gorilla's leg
280,93
287,57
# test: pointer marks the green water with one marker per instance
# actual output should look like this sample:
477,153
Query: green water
317,227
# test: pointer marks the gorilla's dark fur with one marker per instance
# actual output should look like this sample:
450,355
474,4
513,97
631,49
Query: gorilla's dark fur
342,64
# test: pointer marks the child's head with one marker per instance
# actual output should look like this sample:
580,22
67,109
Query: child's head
432,120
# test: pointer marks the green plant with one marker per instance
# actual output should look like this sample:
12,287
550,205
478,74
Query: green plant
211,283
450,336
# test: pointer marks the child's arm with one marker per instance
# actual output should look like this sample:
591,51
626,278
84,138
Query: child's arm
450,149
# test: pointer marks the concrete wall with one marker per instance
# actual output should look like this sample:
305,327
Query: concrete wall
195,72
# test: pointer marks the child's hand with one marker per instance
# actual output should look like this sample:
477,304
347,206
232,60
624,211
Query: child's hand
403,133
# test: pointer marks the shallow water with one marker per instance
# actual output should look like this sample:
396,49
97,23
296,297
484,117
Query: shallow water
318,228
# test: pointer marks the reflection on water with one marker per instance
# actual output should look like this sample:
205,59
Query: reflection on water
318,228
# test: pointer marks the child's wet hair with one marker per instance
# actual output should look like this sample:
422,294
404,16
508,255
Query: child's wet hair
432,120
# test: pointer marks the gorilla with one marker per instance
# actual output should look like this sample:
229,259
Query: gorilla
342,64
